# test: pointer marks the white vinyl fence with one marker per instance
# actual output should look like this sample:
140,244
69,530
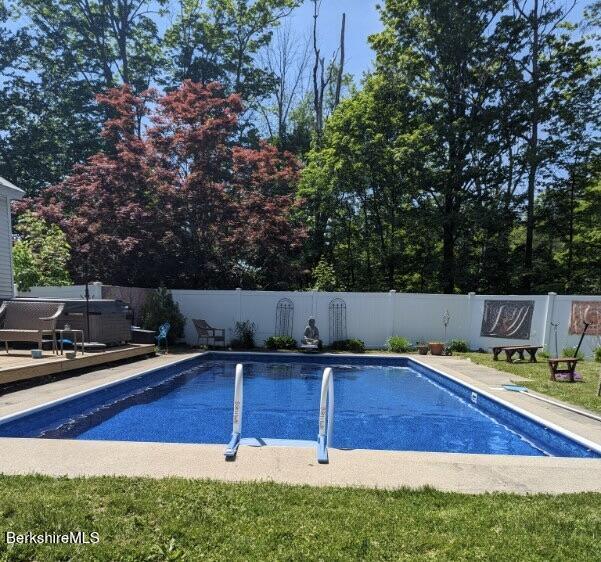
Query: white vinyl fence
373,317
68,292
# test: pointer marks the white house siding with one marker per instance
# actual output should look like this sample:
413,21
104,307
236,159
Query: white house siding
6,275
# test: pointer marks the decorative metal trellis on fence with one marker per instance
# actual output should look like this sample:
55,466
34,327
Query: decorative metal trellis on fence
284,317
337,315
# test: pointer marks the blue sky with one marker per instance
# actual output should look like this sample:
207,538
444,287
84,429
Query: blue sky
361,21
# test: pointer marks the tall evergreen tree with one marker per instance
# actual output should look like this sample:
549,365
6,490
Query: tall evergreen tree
447,55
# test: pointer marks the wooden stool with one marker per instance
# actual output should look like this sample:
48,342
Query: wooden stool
555,367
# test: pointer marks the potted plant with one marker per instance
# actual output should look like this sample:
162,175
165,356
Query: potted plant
436,347
422,348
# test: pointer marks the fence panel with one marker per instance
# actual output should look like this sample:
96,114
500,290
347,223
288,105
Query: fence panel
373,317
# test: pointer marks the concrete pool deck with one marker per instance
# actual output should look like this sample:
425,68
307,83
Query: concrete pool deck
384,469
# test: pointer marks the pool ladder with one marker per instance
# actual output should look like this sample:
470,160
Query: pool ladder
326,415
232,447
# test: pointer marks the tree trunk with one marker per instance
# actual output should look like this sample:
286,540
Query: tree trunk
448,248
532,152
568,286
340,76
317,100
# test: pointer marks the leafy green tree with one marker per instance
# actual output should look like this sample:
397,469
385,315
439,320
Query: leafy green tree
63,54
575,127
46,130
106,43
447,57
40,254
586,270
219,41
545,68
160,308
359,184
324,278
429,165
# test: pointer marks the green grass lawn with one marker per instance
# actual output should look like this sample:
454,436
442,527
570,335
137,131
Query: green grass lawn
174,519
579,393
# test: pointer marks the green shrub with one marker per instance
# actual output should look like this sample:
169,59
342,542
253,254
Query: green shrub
459,346
570,351
41,253
398,344
598,354
324,277
280,342
245,335
160,308
353,345
544,354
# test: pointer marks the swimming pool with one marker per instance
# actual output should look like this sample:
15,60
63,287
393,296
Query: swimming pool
382,403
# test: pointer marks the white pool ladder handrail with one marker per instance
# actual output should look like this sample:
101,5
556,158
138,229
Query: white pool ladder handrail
232,448
326,416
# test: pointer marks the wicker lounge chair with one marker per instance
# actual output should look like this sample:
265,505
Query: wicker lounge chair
206,332
29,322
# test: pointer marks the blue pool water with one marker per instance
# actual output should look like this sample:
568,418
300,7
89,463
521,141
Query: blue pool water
402,407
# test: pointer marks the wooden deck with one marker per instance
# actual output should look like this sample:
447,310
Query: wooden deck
18,364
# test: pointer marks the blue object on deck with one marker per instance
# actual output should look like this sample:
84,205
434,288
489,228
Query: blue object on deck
163,333
515,388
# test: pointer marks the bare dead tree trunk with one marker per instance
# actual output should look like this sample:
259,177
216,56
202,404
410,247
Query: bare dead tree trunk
287,61
317,97
323,76
340,76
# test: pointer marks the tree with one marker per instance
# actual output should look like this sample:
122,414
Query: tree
177,202
160,308
361,188
324,278
221,41
574,126
104,43
109,205
326,76
68,51
427,166
287,62
539,22
235,202
446,55
41,253
587,233
46,117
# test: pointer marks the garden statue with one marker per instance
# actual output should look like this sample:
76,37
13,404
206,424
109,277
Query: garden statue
311,335
446,318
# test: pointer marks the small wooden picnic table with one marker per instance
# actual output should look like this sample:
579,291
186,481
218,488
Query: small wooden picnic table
570,367
511,350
